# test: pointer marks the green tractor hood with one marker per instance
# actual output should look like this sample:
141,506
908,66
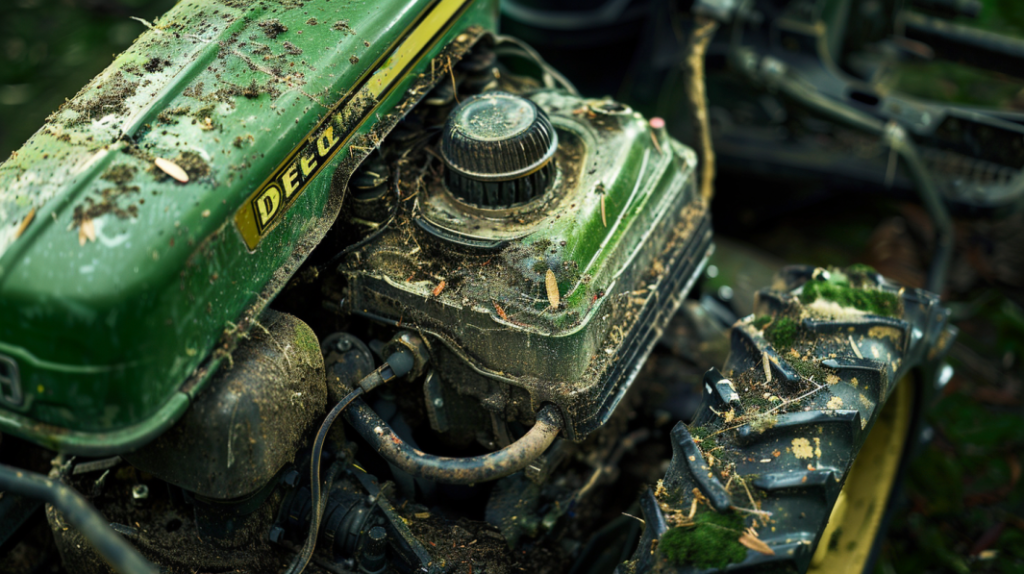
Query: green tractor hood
122,285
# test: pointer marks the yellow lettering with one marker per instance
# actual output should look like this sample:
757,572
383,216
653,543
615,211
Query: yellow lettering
289,180
308,163
326,141
267,205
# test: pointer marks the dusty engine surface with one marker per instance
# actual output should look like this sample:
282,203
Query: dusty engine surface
548,241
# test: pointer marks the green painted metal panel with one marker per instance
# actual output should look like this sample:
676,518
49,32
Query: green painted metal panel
118,283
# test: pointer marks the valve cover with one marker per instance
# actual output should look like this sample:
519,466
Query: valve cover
561,295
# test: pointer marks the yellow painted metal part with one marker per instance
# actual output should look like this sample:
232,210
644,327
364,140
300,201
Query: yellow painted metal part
846,544
267,205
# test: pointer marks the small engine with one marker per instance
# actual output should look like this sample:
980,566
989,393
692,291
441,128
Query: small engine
547,241
508,253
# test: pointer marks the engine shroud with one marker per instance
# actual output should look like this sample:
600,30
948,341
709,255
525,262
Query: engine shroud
122,289
622,229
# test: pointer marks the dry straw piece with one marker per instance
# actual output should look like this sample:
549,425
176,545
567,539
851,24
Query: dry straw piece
172,169
554,298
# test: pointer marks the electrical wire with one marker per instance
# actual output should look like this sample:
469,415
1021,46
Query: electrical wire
529,52
319,503
118,553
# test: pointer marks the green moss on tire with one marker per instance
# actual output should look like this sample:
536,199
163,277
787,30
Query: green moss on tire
811,370
782,333
712,542
873,301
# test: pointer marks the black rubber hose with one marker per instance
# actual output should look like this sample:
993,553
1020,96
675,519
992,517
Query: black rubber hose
455,470
119,554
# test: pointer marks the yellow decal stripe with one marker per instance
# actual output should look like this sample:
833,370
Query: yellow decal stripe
410,50
266,207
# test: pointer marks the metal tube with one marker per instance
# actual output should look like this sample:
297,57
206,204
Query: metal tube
455,470
122,556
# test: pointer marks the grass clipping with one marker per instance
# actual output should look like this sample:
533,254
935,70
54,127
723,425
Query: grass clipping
712,541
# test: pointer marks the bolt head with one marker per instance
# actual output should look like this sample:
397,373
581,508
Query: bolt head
343,345
140,491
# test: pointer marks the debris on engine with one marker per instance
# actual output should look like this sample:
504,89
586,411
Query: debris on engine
374,288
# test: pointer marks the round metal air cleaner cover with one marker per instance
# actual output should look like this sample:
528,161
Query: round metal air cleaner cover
497,138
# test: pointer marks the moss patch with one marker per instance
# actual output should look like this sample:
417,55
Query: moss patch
782,333
704,437
761,321
713,541
870,300
810,370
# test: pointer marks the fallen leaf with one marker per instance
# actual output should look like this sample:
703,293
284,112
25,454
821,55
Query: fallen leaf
24,223
86,231
756,544
172,169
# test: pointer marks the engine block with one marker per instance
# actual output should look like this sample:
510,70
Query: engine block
546,280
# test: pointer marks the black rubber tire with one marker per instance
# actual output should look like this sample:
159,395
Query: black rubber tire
787,446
